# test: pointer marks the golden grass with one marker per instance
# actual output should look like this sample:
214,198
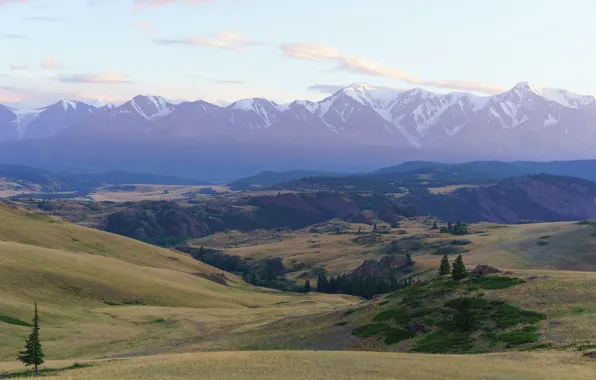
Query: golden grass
292,365
150,192
72,272
447,189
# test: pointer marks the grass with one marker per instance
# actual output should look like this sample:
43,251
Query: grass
318,365
454,317
108,295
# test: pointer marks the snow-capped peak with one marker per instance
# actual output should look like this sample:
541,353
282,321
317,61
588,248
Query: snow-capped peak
566,98
67,104
378,97
149,106
98,103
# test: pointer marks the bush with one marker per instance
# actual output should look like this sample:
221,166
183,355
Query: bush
399,316
444,342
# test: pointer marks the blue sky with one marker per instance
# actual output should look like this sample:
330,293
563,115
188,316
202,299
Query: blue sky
222,50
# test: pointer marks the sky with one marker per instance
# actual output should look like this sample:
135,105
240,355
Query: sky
224,50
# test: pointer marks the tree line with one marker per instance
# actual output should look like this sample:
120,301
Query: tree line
366,287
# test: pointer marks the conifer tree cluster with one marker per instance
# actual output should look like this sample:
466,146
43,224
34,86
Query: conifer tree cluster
33,354
366,287
455,229
445,268
459,271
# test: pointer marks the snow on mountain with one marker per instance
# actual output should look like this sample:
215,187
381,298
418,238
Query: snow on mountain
356,114
149,107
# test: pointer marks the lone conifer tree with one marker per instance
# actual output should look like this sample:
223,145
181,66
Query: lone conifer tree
307,287
33,354
435,225
459,271
444,269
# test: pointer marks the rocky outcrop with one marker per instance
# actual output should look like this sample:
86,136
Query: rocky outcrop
385,267
482,269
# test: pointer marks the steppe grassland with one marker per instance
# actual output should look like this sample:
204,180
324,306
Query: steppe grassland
102,294
319,365
150,192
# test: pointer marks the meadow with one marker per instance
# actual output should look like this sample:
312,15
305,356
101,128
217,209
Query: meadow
132,310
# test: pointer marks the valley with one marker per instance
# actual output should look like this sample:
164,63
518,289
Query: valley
221,279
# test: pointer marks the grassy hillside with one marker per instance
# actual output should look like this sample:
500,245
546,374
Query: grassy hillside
103,294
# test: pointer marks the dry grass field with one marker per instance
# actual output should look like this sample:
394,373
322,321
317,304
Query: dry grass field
309,365
134,310
513,246
103,294
149,193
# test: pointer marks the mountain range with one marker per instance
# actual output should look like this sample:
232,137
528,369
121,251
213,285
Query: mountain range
357,128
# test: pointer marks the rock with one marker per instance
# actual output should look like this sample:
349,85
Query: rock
482,269
385,267
508,273
591,355
418,327
555,323
538,278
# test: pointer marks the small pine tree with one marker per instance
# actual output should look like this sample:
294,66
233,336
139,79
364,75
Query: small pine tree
409,258
33,354
359,229
375,227
394,224
435,225
444,269
449,226
307,287
459,271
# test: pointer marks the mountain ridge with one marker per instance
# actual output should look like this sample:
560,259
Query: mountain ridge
357,128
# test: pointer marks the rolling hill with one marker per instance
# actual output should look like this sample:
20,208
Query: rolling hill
101,293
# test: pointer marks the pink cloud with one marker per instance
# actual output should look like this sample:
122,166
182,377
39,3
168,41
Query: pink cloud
19,67
105,78
144,26
361,65
50,62
224,40
6,2
159,3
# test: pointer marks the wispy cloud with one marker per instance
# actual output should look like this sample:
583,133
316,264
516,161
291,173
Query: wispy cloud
41,18
6,2
105,78
325,88
34,97
50,62
144,26
19,67
159,3
361,65
223,40
13,36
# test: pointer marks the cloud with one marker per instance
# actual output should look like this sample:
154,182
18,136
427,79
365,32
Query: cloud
24,97
144,26
42,18
236,38
159,3
6,2
19,67
105,78
13,36
50,62
222,40
198,41
325,88
360,65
